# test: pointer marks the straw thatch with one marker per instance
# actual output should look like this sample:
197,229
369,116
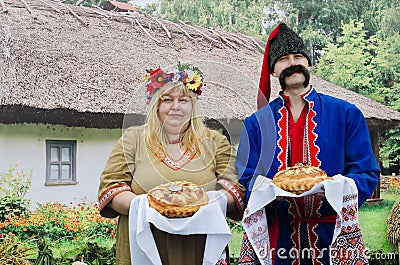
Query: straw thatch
80,66
393,225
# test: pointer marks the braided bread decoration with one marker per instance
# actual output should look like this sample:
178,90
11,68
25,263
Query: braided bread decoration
177,199
299,178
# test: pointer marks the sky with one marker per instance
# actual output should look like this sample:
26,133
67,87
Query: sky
142,2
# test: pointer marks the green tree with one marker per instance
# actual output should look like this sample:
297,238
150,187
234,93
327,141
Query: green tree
243,16
390,21
319,22
348,63
390,146
386,65
369,66
387,73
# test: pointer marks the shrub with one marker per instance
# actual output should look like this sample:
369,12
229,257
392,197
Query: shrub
95,254
93,250
12,206
45,255
13,252
14,185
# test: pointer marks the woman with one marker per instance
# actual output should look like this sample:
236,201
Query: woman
174,144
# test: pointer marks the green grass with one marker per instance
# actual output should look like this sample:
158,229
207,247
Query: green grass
235,243
70,249
372,220
66,249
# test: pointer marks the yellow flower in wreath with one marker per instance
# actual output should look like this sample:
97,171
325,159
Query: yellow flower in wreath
193,81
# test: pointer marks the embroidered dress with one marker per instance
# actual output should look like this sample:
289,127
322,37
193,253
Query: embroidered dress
131,166
332,134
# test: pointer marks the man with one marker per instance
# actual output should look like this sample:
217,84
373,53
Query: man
309,128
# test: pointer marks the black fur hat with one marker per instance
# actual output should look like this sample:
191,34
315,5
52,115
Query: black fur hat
281,41
286,42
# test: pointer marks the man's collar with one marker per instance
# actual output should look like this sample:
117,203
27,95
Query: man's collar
306,96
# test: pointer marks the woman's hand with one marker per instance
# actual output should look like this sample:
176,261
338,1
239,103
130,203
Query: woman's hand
230,201
122,202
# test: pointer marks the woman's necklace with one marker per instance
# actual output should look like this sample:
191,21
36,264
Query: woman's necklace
175,141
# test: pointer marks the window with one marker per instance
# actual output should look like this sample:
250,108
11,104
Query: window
60,162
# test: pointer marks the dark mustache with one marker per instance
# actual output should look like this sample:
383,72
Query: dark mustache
291,70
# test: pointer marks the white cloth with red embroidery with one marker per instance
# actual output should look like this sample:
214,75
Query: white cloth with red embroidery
341,193
209,219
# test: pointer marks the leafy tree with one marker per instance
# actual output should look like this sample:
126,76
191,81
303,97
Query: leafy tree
387,72
243,16
389,148
14,185
348,63
390,22
319,22
369,66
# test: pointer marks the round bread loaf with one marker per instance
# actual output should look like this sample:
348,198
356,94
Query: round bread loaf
177,199
299,178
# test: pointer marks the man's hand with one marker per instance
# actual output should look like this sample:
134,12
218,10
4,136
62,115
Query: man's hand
321,194
280,198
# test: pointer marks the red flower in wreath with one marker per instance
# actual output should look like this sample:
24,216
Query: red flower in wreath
157,78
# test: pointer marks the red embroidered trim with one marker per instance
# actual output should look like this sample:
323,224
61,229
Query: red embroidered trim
110,193
310,148
181,162
313,148
283,143
349,241
236,193
310,209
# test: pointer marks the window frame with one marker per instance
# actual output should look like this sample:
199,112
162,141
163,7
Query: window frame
72,144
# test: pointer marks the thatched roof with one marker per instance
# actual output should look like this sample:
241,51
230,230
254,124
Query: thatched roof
82,66
393,224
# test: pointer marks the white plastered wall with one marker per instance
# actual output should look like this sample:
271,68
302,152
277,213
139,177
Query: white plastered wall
25,145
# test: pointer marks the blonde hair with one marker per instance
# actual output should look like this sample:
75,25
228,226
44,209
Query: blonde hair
154,135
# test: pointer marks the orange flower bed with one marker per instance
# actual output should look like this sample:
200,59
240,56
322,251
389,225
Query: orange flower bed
55,220
394,182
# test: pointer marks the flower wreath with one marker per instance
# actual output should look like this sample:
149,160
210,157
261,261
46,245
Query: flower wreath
190,76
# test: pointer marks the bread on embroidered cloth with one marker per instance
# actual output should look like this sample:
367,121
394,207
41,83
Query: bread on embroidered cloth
299,178
177,199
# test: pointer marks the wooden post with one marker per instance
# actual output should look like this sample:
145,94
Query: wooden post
373,132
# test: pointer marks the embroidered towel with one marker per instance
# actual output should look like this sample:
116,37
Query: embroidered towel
341,193
209,219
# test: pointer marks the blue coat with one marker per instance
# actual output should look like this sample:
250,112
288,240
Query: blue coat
338,135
